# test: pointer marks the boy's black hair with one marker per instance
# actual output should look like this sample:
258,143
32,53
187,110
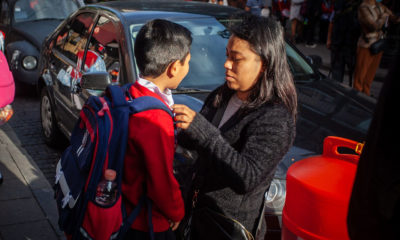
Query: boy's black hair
159,43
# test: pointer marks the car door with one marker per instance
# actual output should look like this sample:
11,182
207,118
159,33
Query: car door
102,55
65,64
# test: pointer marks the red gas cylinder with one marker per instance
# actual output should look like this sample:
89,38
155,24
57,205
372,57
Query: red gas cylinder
318,193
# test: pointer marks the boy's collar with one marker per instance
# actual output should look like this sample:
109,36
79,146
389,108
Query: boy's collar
166,95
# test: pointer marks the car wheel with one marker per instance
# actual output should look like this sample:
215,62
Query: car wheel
50,130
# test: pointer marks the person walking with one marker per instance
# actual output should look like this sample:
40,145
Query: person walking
296,19
311,18
373,16
326,12
242,132
344,31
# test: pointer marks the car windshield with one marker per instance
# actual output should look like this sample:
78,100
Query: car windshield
31,10
301,70
207,50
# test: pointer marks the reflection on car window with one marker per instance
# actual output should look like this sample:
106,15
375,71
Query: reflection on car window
103,51
207,50
301,70
30,10
71,42
76,37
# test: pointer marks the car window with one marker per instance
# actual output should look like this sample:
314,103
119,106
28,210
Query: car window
73,41
103,51
301,70
208,52
30,10
4,13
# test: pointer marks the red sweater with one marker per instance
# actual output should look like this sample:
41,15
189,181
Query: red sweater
148,159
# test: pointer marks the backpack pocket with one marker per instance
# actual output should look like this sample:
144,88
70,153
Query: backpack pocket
102,223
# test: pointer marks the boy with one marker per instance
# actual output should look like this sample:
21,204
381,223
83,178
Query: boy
162,51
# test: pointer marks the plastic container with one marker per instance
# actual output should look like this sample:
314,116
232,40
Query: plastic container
5,114
107,189
318,193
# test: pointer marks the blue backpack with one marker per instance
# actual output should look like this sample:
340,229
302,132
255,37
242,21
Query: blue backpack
98,142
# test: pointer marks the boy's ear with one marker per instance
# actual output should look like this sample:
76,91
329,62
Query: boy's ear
173,69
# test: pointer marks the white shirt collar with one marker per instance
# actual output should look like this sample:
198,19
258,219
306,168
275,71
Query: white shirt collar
166,95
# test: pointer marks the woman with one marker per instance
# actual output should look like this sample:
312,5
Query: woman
372,16
245,127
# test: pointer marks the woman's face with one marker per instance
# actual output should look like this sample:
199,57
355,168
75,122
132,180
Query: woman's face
242,67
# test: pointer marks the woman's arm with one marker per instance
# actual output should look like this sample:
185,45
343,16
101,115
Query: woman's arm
266,140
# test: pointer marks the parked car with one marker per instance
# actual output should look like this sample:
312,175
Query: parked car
25,24
94,47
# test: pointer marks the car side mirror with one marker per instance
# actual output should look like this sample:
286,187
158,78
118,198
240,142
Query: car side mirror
314,60
95,80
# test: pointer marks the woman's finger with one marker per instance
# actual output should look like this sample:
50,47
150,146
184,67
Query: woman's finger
183,125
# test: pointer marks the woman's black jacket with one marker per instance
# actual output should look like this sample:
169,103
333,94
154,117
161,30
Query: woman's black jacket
240,158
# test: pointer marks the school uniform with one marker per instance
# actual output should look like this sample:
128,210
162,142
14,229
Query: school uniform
148,163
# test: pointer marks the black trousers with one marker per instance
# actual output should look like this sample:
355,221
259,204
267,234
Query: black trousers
342,56
309,29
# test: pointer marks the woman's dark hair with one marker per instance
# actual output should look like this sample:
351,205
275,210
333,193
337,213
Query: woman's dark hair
266,39
159,43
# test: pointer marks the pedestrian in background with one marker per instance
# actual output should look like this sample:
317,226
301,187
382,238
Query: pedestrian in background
242,132
344,31
326,12
281,10
373,16
311,18
296,19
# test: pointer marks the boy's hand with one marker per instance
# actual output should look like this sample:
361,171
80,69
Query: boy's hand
174,225
184,115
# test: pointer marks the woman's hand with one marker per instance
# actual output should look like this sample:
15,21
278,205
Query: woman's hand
184,115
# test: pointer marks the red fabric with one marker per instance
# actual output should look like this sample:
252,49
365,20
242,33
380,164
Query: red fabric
7,86
148,159
99,227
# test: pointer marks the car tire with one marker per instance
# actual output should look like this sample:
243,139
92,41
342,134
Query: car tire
50,131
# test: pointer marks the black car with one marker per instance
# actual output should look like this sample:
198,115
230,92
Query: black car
94,47
25,24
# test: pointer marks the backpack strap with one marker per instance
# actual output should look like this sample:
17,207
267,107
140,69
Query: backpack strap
117,96
145,103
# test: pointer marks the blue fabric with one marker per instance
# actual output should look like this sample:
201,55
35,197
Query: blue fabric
255,6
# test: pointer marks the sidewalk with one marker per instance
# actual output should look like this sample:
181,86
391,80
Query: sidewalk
27,207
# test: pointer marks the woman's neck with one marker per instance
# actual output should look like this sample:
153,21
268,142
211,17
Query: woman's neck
242,95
